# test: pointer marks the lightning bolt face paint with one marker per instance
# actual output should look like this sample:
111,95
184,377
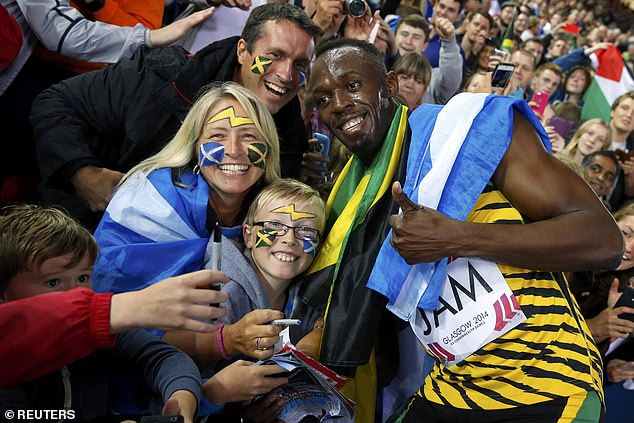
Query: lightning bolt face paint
230,113
260,65
310,245
265,238
211,153
257,154
295,215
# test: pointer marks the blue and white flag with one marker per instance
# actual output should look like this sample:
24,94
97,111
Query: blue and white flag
453,153
151,230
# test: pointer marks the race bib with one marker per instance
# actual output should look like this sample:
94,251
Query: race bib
475,307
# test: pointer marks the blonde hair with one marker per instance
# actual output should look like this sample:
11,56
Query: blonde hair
30,235
570,149
623,212
181,152
291,189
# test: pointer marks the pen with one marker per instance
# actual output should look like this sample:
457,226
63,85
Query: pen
286,322
216,246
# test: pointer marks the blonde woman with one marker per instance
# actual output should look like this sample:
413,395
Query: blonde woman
592,136
161,217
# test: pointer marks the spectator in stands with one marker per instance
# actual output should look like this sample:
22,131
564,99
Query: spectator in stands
414,74
592,136
47,251
535,46
85,144
600,170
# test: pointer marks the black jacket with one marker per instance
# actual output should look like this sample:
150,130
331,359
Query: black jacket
124,113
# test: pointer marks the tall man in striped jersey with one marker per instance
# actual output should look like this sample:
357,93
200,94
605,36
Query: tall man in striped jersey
459,261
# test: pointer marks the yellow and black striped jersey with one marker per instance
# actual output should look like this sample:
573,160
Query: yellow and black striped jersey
549,355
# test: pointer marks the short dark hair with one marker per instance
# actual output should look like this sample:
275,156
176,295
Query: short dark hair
533,40
365,47
31,234
415,21
482,12
276,12
602,153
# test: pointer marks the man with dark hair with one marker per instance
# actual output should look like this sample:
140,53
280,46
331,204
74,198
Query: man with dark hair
600,170
92,128
471,174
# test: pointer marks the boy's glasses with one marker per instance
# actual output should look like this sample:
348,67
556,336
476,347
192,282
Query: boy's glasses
280,229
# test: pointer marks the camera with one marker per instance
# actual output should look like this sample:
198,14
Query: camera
354,8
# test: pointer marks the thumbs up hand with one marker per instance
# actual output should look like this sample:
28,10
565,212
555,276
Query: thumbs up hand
421,234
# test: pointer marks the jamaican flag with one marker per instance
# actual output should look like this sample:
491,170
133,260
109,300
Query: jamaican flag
358,209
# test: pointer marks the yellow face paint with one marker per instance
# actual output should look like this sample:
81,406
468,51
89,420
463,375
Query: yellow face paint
260,65
295,215
230,113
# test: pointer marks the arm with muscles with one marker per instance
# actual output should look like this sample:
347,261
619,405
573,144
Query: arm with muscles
240,337
62,28
63,318
445,80
571,229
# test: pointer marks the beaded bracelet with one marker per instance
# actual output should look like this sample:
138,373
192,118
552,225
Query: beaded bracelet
221,345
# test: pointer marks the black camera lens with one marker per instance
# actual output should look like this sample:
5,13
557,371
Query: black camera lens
355,8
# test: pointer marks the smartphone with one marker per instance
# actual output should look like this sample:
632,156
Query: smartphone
502,75
626,299
624,156
322,146
562,125
499,53
541,98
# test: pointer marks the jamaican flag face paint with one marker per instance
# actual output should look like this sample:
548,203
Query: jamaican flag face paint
260,64
265,238
257,154
211,153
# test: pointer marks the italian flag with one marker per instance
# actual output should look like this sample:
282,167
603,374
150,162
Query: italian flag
610,81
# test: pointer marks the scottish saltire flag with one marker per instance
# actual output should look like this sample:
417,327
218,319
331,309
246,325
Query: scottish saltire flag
151,230
453,153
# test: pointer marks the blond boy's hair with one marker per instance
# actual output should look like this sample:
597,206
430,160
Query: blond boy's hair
293,190
30,235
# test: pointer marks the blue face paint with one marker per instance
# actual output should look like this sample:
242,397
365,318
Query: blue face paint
302,78
310,245
211,153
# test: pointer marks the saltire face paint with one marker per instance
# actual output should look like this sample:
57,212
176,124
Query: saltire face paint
230,113
310,245
295,215
211,153
257,154
265,238
302,78
260,65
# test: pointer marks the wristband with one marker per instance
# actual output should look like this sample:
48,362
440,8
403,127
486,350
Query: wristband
221,345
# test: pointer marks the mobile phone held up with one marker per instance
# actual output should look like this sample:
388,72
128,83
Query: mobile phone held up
540,99
502,75
626,299
322,146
